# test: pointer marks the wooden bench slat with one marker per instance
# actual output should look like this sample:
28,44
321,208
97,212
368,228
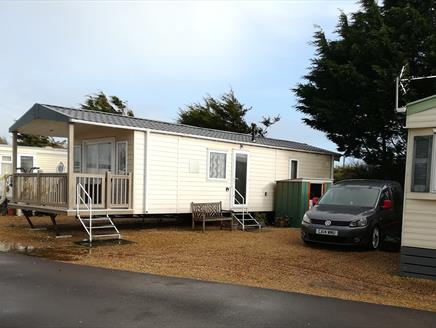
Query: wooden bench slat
207,212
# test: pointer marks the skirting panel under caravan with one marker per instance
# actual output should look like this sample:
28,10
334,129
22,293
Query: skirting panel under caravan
418,262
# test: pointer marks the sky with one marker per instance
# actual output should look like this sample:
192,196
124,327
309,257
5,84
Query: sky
162,56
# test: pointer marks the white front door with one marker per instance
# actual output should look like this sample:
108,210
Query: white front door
240,179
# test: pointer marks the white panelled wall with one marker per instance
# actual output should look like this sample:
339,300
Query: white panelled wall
419,223
177,172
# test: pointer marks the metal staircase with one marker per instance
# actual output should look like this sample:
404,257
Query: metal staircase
243,217
95,227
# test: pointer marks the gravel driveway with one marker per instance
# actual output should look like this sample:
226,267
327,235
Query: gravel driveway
273,258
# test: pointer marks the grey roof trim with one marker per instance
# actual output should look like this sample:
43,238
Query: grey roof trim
36,112
127,122
337,156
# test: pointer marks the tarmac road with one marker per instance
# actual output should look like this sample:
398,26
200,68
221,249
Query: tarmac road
36,292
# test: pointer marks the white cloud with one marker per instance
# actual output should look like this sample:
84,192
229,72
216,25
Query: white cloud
158,55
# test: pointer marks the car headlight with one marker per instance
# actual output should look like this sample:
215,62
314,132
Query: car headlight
306,219
362,222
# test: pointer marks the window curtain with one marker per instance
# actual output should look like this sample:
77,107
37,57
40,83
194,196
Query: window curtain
121,158
217,166
98,157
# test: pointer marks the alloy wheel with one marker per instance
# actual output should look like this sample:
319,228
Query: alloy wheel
375,238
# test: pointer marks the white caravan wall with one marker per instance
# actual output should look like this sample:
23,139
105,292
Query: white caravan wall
419,224
47,159
173,181
139,165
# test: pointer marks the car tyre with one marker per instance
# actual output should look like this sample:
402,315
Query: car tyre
305,241
375,238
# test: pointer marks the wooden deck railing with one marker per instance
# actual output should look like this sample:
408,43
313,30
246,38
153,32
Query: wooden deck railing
51,189
94,184
119,193
41,188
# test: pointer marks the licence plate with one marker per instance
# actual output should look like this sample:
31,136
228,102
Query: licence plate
327,232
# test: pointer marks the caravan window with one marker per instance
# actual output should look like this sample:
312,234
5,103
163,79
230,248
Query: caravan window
6,165
99,156
77,159
421,166
293,169
26,163
122,157
217,165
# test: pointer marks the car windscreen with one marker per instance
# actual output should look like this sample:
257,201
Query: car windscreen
351,196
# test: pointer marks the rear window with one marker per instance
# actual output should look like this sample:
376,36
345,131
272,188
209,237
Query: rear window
351,196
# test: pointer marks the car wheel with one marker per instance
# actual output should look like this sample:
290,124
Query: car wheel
305,241
375,238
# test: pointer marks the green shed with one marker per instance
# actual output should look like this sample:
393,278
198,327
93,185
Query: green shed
293,197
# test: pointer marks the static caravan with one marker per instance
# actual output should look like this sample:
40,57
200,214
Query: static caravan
31,160
136,166
418,245
44,159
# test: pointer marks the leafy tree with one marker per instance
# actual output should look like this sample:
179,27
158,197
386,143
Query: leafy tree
356,170
102,103
3,141
224,113
349,92
38,141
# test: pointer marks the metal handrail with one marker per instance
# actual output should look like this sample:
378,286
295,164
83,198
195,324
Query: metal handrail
245,211
240,195
243,208
80,188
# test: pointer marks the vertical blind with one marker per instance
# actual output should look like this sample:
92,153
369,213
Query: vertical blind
77,159
98,157
421,169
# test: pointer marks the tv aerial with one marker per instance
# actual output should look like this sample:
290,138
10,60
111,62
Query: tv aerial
402,84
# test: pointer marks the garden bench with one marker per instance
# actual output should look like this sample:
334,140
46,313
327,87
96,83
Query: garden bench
208,212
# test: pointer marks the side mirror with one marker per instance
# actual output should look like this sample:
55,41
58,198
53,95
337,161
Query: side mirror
387,204
315,201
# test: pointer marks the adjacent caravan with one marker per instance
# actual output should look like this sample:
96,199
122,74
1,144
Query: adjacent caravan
29,160
418,242
137,166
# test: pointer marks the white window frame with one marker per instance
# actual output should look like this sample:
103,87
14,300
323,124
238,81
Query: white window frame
247,193
209,151
116,155
432,182
96,142
5,162
35,164
5,155
290,168
432,188
81,158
